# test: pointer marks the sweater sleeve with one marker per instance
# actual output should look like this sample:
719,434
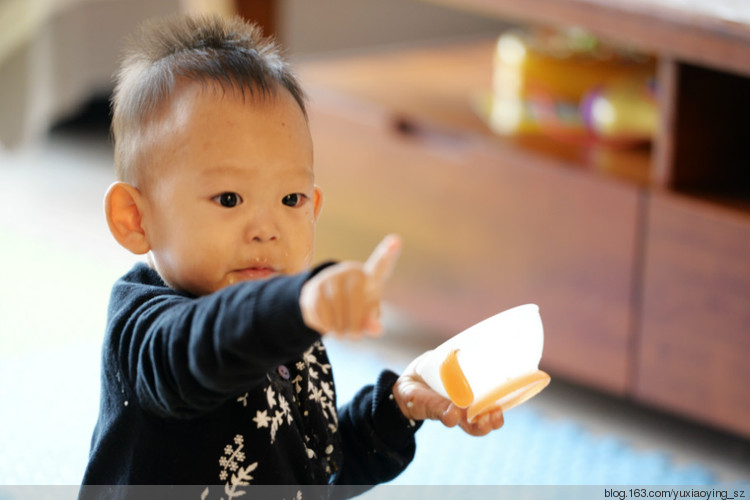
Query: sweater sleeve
378,440
183,356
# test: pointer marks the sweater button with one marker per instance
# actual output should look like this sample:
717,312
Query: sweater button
284,372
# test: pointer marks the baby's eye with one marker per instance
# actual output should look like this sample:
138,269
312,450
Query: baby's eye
228,199
294,199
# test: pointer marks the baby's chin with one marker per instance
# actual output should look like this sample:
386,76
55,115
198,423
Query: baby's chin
252,274
207,286
197,288
236,277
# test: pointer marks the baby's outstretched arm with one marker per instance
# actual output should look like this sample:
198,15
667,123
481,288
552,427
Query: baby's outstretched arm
417,401
344,299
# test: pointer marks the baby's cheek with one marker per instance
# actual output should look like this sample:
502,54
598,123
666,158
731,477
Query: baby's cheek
203,277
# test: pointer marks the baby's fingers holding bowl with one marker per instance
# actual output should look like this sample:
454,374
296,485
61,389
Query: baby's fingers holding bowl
483,424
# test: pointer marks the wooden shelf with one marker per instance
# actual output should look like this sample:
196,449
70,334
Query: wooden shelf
705,144
430,91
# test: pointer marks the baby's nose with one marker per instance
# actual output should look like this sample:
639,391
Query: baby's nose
264,234
261,228
264,237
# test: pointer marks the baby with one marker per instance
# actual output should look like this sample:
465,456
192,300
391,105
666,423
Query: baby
214,372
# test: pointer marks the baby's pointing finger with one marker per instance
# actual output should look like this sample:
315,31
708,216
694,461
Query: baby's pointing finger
381,263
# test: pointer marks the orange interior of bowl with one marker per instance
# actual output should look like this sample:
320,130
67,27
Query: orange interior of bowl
454,381
510,394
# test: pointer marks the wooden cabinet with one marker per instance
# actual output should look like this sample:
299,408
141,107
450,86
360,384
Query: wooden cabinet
639,259
695,332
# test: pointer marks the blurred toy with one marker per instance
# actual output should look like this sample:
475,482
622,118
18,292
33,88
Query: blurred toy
493,363
569,85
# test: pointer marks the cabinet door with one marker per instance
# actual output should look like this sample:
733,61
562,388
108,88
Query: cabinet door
483,231
695,341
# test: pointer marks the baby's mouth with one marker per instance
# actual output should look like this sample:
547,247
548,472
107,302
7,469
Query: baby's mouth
256,272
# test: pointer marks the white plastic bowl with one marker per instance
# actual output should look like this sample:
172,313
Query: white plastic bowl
493,363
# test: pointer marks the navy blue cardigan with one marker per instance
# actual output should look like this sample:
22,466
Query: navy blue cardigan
232,390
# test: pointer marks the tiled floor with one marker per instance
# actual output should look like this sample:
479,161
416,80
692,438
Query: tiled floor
54,190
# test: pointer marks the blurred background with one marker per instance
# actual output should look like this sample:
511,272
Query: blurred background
532,154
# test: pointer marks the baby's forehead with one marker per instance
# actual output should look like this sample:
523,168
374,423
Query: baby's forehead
224,89
234,171
208,115
211,96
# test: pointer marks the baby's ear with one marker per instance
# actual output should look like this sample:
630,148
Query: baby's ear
317,202
123,206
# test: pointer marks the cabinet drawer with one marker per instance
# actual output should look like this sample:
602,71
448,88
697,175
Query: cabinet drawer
483,231
695,340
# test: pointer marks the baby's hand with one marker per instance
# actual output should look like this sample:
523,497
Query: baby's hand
344,299
418,402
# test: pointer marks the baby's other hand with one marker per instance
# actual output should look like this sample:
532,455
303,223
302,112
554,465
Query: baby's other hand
419,402
344,299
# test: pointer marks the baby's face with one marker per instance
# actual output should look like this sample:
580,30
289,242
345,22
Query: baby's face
233,197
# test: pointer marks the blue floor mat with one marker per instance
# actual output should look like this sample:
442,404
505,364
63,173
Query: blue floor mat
533,450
